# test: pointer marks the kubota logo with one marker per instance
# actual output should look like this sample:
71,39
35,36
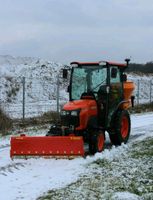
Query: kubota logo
75,138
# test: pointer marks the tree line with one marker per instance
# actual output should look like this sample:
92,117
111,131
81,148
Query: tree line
143,68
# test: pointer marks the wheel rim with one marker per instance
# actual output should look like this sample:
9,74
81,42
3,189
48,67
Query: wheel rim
124,127
100,142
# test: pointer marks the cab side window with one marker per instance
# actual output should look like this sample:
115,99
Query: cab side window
115,75
115,86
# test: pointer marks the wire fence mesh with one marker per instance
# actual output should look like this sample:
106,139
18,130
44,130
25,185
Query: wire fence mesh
143,91
22,97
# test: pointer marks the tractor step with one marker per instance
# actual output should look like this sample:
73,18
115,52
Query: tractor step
46,146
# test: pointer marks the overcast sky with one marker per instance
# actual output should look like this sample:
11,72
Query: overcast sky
83,30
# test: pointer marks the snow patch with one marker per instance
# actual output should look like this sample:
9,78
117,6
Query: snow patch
125,196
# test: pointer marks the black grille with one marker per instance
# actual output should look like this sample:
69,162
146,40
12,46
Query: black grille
69,120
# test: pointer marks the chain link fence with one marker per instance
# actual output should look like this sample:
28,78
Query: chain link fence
22,97
144,91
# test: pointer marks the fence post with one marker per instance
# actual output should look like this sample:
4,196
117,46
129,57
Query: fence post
23,101
150,90
57,94
138,88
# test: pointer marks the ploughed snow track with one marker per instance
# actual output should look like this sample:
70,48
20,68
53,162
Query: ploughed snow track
28,179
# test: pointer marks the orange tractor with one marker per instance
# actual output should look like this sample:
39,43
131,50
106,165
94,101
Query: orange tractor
100,96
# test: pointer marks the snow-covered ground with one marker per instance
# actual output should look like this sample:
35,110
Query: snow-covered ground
29,179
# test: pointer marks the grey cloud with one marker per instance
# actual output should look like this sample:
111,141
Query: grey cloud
64,30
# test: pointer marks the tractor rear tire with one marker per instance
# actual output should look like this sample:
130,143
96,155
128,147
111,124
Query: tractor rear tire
122,128
96,142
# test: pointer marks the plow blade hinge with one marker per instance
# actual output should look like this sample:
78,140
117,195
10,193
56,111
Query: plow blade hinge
47,146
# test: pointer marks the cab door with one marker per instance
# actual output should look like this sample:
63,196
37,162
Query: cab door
116,91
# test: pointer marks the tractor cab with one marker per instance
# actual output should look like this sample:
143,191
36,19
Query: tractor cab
86,80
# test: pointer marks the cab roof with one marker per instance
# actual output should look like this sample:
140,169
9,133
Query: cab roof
122,65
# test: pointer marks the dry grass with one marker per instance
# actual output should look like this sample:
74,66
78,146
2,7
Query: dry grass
5,122
148,107
47,118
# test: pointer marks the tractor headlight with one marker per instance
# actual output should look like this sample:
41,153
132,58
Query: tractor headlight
74,113
63,113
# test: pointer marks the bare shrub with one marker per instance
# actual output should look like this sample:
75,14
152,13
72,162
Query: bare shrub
5,122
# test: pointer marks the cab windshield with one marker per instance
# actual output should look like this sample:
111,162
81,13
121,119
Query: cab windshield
87,79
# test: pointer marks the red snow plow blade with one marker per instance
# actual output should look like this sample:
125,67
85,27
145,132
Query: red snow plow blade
68,146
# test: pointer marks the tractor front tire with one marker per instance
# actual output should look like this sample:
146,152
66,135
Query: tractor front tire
96,142
122,128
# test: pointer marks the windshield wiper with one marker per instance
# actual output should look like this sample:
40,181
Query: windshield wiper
92,90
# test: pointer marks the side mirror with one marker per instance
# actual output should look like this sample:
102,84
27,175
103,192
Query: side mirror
68,89
132,100
113,72
65,73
